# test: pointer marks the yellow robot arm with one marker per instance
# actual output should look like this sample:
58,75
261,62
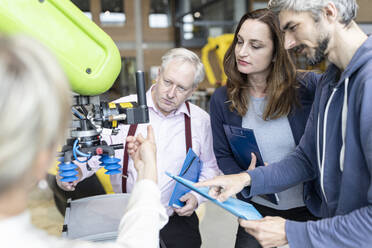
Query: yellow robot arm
210,46
220,45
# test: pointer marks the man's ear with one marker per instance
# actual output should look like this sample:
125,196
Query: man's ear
194,88
158,76
331,12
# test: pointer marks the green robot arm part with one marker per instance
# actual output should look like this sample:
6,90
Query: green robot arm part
87,54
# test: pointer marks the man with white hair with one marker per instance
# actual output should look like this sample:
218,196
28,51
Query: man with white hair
336,149
178,125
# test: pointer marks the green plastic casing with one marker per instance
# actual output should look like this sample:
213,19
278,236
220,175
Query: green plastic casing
87,54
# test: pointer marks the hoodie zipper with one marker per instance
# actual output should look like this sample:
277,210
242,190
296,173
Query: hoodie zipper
343,130
343,127
321,162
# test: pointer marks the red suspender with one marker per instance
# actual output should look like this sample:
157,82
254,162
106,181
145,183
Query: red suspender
188,129
132,131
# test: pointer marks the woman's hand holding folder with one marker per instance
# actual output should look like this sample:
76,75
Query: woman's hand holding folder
253,166
222,187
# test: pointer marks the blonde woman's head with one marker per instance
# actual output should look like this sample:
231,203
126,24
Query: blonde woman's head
34,106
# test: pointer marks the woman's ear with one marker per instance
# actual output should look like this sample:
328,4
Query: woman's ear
42,163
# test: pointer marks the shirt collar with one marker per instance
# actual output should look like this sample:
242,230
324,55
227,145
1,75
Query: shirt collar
150,104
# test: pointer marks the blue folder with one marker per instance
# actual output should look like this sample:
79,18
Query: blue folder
242,143
190,170
235,206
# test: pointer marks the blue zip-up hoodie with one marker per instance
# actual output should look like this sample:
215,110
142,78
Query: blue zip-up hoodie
336,151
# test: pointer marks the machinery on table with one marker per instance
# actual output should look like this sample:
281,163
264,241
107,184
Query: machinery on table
91,62
93,117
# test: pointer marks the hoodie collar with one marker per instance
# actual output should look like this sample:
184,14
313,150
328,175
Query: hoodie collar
363,54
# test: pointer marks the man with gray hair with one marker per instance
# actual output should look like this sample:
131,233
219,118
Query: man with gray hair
335,152
178,125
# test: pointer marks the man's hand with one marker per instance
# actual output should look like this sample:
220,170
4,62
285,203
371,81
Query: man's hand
69,186
189,208
222,187
269,231
143,153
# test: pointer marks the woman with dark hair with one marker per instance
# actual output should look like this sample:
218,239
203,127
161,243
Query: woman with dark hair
264,93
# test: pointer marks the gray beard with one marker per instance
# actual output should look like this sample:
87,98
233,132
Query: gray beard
320,54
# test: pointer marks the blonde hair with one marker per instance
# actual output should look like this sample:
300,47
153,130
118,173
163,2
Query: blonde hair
34,105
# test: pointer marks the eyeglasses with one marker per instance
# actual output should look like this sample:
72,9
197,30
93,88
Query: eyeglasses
170,84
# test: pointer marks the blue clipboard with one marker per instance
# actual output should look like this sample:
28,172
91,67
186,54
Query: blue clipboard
242,143
235,206
190,170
